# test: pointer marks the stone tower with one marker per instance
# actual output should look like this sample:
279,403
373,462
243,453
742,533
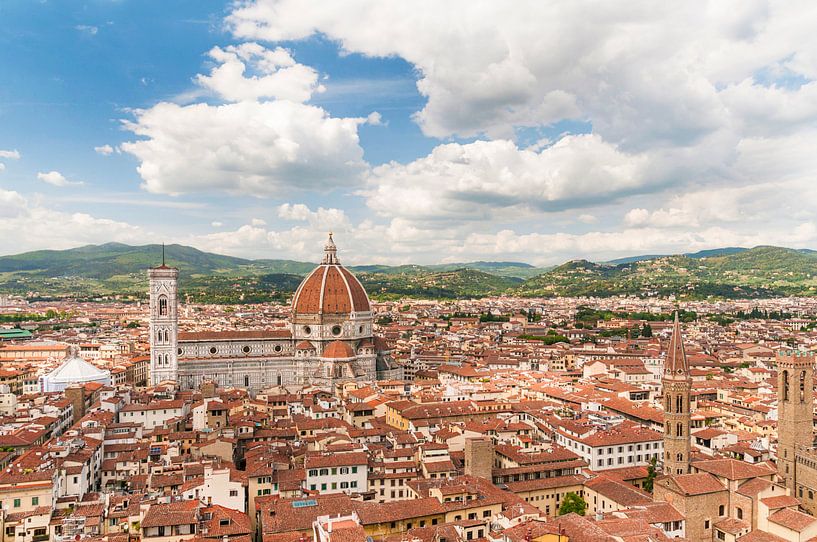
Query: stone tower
479,457
164,323
794,405
676,384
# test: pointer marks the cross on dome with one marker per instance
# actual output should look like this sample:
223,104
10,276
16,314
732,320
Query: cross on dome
330,252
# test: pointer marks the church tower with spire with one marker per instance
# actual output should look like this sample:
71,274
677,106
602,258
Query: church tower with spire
164,322
795,399
677,385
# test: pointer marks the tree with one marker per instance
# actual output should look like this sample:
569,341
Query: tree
651,473
572,503
646,331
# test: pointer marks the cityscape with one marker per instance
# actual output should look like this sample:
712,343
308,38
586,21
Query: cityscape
378,271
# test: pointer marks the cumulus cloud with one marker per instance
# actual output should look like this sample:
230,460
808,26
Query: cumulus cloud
263,141
255,148
55,178
641,74
274,74
322,219
477,180
104,150
12,155
46,227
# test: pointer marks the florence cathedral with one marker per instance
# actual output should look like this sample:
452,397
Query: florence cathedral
329,338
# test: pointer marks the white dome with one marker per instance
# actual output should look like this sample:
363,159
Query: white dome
74,370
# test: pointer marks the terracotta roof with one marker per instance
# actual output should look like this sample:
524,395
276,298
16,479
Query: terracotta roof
338,350
330,289
791,519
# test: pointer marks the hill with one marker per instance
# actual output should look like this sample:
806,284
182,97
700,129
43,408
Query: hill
757,272
118,270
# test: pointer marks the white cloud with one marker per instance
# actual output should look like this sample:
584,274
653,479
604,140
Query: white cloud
104,150
258,222
87,29
50,228
216,224
55,178
322,219
276,74
2,166
251,148
479,180
11,155
263,142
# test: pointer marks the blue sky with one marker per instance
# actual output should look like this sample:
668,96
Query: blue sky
425,133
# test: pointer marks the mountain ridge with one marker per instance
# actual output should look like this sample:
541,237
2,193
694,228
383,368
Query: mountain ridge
112,269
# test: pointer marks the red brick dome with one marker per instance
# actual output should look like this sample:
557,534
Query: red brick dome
338,350
330,289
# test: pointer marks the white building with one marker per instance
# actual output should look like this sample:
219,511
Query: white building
74,370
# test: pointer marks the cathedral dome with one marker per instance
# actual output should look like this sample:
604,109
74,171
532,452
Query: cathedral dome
330,289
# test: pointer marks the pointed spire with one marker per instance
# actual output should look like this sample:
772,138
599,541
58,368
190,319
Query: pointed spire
676,362
330,252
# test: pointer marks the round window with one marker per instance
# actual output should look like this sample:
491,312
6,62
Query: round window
212,349
336,330
179,351
307,330
278,348
246,349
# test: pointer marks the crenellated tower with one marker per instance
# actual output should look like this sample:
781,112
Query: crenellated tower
677,385
164,323
795,398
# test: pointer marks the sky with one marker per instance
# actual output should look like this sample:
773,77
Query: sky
417,132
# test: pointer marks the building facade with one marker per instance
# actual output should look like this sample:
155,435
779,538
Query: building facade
329,338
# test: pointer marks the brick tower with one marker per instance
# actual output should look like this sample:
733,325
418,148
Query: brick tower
676,385
795,397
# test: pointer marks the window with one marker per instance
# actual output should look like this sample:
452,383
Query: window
706,524
35,501
233,493
739,512
720,510
354,470
313,472
162,306
785,385
16,503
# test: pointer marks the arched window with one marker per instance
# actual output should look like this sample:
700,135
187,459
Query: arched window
163,306
159,336
278,378
669,404
167,336
802,386
739,512
721,510
679,457
785,385
679,430
246,381
679,404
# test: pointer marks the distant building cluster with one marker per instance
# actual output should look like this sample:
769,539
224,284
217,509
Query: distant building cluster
337,418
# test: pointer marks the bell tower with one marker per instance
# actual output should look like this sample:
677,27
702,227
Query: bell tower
795,398
677,385
164,322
